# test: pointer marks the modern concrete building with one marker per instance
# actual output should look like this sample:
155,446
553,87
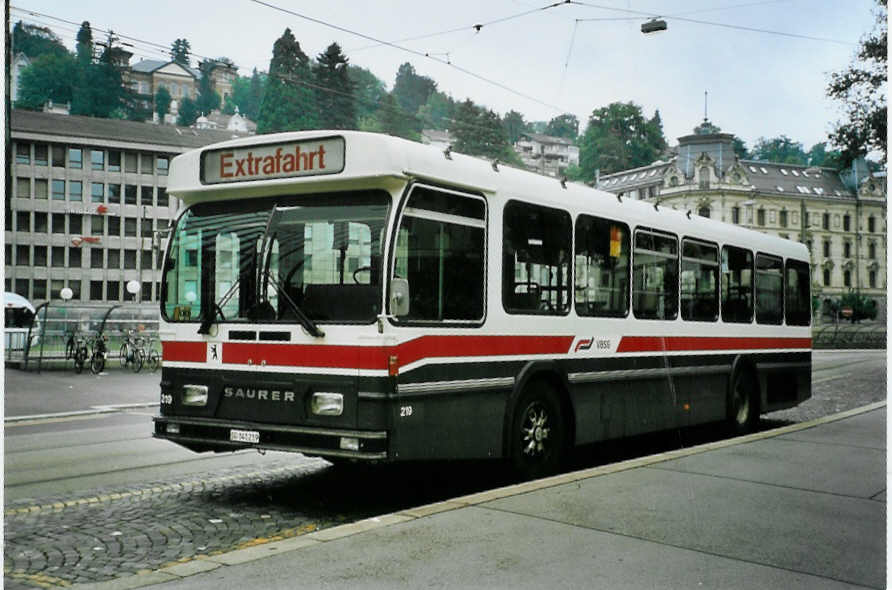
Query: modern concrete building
841,216
546,154
89,206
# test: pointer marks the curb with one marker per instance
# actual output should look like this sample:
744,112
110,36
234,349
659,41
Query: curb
204,563
94,411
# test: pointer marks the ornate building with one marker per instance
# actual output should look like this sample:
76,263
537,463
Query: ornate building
841,216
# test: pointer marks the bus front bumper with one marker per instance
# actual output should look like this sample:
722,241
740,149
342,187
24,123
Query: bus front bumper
210,434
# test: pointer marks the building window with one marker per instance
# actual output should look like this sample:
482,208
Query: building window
114,193
97,225
872,250
58,223
113,291
146,164
130,194
847,278
41,188
23,255
871,224
162,197
114,161
40,222
846,222
130,226
130,259
22,153
145,196
825,221
58,152
97,192
75,190
58,190
23,221
704,177
75,223
96,258
41,153
114,259
74,257
826,248
826,277
146,260
162,163
847,249
147,291
39,255
22,187
783,218
97,157
735,215
130,162
21,287
703,212
872,278
760,217
39,289
58,253
75,157
114,227
95,290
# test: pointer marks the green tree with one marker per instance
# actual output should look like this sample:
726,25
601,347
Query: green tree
207,100
819,155
287,103
393,120
479,132
49,77
180,52
780,149
187,113
246,95
84,49
618,137
862,89
437,112
162,103
654,132
369,90
566,126
411,90
101,92
740,149
35,41
334,90
514,126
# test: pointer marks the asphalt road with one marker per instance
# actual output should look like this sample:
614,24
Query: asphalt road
92,496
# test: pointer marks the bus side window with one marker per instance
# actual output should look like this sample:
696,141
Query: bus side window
602,267
737,285
798,296
536,259
699,281
655,276
769,289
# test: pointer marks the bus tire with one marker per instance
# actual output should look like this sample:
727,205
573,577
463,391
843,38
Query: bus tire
743,406
538,432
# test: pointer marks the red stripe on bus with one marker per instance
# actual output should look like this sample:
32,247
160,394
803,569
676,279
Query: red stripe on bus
376,357
193,352
691,343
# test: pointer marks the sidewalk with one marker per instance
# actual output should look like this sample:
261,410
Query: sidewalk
798,507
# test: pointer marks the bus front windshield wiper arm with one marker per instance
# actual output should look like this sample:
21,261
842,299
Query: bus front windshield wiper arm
304,319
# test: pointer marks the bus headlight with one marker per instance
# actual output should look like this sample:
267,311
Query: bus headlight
327,404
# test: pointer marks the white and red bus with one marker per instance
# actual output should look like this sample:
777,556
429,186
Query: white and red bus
361,297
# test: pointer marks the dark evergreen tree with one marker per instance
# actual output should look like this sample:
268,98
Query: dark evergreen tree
334,90
479,132
779,149
49,77
655,134
35,41
437,112
187,113
288,103
411,90
393,120
740,149
102,92
819,155
207,100
180,52
514,126
618,137
162,103
862,89
84,49
369,91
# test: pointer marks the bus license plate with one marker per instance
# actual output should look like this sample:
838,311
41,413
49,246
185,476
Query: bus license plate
246,436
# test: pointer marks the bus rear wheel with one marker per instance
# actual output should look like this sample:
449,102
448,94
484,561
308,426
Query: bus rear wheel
538,433
743,412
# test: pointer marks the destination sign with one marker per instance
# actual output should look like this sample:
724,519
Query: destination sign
280,160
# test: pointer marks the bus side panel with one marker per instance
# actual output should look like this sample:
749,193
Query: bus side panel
784,379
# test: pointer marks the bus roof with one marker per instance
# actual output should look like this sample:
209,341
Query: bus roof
235,169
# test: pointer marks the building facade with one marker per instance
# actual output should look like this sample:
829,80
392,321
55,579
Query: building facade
546,154
840,216
147,76
89,207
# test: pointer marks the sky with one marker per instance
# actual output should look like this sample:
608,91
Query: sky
541,64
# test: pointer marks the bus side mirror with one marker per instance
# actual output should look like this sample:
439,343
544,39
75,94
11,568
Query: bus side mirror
399,297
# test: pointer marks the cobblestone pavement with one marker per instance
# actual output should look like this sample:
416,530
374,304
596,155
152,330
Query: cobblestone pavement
55,542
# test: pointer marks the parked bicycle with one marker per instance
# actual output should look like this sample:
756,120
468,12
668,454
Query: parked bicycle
132,354
76,348
100,354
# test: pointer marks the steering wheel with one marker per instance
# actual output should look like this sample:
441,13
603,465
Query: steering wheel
358,270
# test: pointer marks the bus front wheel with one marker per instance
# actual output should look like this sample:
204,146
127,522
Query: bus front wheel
538,432
744,403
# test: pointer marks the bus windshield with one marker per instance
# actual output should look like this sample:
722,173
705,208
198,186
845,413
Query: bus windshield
307,258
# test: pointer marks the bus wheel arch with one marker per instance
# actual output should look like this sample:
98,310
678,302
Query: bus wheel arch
744,396
539,421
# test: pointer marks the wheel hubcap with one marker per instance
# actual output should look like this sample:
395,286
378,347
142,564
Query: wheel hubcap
535,431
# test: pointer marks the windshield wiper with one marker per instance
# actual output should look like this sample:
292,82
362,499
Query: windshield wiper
304,319
209,319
